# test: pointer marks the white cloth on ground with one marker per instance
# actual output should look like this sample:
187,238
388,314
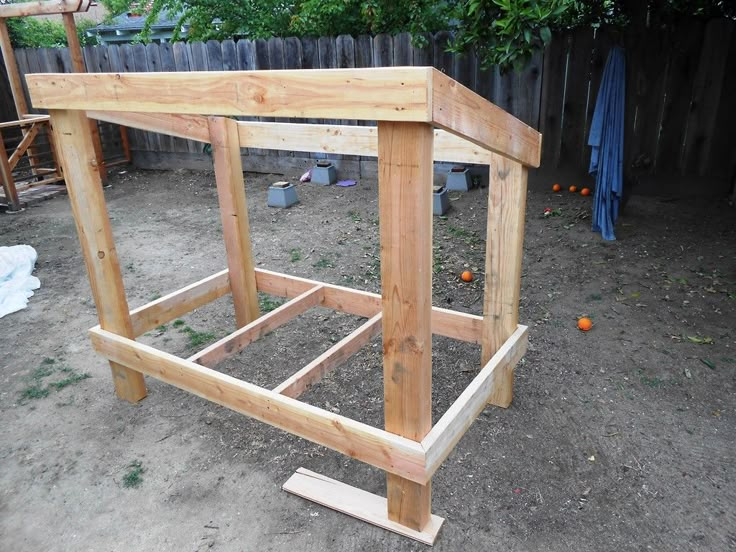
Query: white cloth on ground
16,282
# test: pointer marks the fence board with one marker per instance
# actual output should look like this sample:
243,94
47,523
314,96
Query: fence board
229,56
181,53
574,107
383,50
441,58
402,49
723,153
707,95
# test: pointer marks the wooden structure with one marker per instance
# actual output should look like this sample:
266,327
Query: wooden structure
27,157
408,103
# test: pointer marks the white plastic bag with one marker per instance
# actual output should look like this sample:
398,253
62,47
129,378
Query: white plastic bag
16,282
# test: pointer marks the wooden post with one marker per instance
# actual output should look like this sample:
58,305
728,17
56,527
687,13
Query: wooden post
75,51
76,152
6,176
16,85
234,213
405,214
504,250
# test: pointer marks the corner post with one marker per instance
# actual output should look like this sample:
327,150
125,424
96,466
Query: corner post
504,250
234,214
405,213
77,155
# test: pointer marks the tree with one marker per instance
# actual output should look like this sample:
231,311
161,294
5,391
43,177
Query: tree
35,32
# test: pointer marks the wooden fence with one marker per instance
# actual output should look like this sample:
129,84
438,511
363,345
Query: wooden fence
680,106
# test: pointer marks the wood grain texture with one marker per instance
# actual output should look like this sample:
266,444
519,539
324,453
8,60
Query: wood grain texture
330,359
179,303
76,152
405,214
461,111
11,66
376,447
390,93
6,178
241,338
43,8
504,251
355,502
234,216
192,127
450,428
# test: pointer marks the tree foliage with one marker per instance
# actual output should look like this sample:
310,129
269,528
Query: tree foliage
503,32
34,32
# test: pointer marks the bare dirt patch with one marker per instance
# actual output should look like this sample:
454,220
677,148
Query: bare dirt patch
621,438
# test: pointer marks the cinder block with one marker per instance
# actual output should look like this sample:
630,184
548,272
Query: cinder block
324,173
282,194
440,201
459,180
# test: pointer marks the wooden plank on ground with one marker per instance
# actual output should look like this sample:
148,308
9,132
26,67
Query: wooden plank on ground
355,502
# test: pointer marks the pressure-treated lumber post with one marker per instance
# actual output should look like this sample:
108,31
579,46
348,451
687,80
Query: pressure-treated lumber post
405,214
16,85
6,177
234,214
75,52
87,199
504,249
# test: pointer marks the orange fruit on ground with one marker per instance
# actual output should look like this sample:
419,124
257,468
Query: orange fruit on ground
585,191
466,276
585,324
556,188
573,189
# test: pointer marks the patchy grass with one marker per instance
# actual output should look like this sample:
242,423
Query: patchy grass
178,323
355,216
267,303
38,386
133,478
469,237
295,255
162,328
324,262
197,339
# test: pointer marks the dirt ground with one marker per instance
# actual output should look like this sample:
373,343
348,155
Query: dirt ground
621,438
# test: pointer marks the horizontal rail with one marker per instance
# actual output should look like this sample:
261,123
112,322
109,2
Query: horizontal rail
330,359
25,122
376,447
241,338
445,434
43,8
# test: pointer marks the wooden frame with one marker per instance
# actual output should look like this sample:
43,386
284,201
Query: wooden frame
408,102
13,185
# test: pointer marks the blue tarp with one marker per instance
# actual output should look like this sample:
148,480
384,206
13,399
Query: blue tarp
607,139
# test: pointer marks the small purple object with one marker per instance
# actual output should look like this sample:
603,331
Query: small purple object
346,183
306,177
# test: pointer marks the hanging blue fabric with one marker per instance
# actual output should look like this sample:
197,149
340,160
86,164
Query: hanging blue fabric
607,139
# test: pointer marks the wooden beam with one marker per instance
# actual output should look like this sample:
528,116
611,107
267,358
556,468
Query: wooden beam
28,121
443,437
330,359
6,179
241,338
347,140
28,136
392,453
354,502
504,252
405,214
448,323
43,8
78,66
11,66
189,127
392,93
461,111
234,216
76,152
179,303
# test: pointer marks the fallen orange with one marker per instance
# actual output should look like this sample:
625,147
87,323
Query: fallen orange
585,191
573,189
585,324
556,188
466,276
